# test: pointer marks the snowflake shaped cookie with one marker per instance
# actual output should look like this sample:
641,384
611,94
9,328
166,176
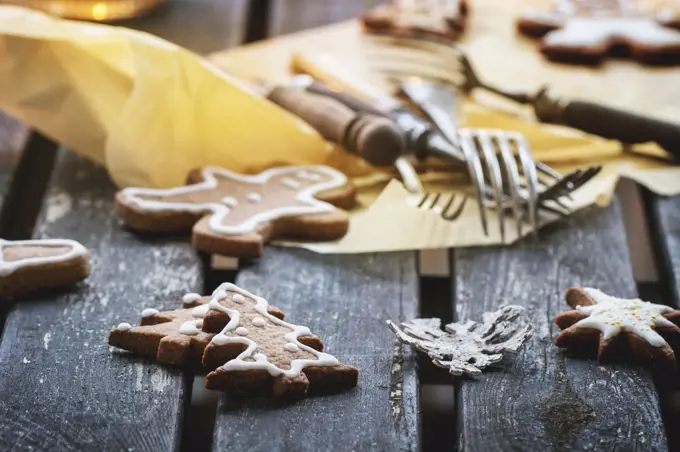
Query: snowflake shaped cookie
467,348
587,30
619,327
235,215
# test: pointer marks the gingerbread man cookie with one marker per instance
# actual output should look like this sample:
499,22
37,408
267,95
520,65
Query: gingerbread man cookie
261,353
31,265
418,19
235,215
584,31
619,328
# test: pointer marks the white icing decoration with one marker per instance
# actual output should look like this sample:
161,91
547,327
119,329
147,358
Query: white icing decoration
254,197
148,312
238,298
424,15
291,183
200,311
7,268
597,31
291,347
229,201
261,361
188,298
580,26
613,315
123,326
241,331
220,211
189,328
220,339
314,177
258,321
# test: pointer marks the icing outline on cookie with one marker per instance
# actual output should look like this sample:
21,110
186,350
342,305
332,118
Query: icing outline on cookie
260,360
612,316
220,210
7,268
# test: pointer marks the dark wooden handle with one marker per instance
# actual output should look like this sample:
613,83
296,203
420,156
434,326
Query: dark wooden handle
375,139
353,102
331,119
621,125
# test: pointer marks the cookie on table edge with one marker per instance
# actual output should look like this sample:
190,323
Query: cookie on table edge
32,265
236,215
619,329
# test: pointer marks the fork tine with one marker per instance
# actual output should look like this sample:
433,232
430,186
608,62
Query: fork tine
476,174
423,199
529,172
555,191
545,169
494,171
435,200
456,213
510,165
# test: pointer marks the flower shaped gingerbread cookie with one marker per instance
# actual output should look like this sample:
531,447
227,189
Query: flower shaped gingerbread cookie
235,215
620,328
584,31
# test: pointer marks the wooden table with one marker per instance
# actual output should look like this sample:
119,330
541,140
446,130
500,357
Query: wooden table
62,388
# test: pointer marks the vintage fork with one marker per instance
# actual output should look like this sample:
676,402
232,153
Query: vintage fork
450,208
494,179
481,148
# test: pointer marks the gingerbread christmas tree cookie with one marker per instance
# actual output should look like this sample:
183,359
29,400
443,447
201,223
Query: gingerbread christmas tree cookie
418,19
260,353
619,329
587,30
173,337
32,265
235,215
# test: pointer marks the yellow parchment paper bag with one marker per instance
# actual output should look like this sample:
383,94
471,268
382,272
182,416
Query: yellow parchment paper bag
147,109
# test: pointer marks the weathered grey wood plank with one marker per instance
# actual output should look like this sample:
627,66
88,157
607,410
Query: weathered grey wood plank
288,16
61,387
542,400
664,225
345,300
664,221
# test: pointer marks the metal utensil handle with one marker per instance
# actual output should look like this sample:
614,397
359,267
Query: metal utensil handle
629,128
373,138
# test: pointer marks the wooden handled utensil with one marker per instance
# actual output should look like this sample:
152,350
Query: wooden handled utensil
374,138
